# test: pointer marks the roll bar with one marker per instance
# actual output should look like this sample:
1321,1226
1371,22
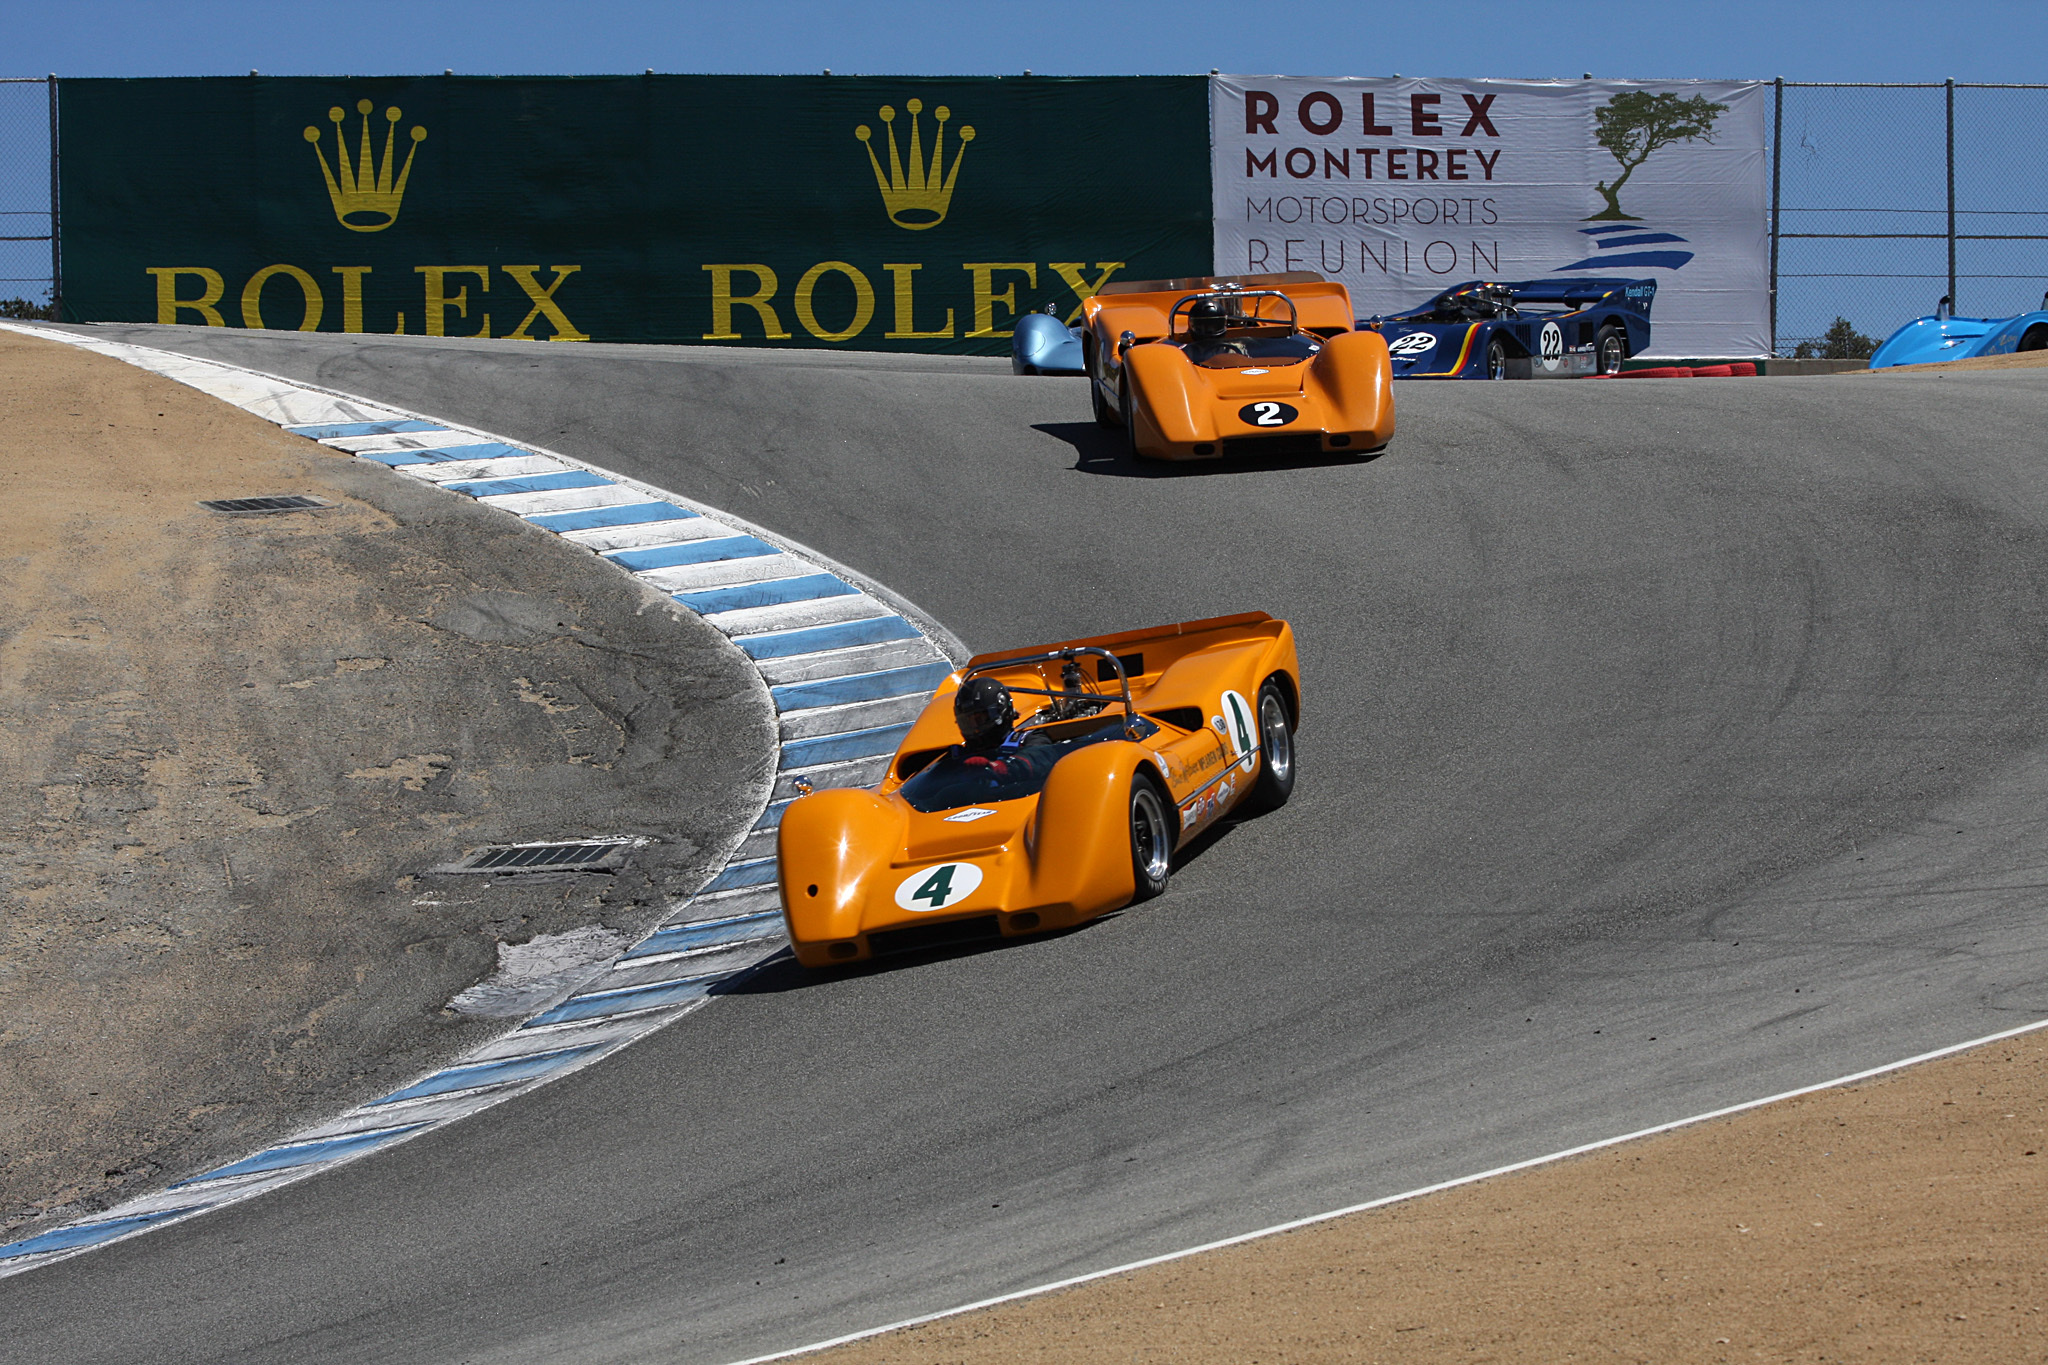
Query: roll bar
1235,297
1064,656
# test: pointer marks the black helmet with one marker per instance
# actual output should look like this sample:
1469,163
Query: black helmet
1207,318
984,712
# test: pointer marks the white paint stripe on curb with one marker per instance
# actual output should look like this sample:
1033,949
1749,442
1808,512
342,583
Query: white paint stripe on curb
1349,1209
853,627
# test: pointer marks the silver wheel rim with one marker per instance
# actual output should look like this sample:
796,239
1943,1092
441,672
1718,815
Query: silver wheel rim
1273,734
1148,834
1611,357
1496,363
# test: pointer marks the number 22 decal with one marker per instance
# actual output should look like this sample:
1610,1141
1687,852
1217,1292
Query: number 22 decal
1267,413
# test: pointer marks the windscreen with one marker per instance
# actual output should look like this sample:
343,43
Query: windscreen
1298,347
962,778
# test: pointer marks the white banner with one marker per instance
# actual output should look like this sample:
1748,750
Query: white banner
1401,188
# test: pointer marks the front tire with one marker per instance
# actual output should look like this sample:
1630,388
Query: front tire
1276,750
1496,359
1126,410
2036,339
1105,415
1151,839
1610,348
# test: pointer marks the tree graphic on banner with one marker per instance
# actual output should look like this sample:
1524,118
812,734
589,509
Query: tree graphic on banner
1636,123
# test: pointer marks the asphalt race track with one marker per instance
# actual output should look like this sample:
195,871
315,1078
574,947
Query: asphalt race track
1666,744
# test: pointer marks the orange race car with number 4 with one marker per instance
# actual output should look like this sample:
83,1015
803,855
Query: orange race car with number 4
1041,788
1247,366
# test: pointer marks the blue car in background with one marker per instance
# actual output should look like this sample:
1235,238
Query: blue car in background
1540,329
1042,344
1944,336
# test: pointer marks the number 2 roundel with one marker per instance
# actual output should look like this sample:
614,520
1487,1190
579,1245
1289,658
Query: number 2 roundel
1267,413
935,888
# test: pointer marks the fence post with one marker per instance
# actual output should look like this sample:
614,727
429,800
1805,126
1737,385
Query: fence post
56,252
1950,85
1777,164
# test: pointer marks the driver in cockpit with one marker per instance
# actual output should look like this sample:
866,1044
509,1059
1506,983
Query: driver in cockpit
998,759
988,724
1208,320
1476,304
987,718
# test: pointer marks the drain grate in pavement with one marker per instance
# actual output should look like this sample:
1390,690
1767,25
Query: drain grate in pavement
571,855
281,502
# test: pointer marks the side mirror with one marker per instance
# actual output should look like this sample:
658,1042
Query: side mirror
1051,310
1126,341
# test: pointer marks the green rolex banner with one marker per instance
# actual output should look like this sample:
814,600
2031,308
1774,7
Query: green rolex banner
862,212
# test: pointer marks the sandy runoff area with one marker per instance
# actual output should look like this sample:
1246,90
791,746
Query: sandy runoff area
1903,1219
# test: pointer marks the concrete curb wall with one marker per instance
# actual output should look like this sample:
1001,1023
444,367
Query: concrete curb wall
847,665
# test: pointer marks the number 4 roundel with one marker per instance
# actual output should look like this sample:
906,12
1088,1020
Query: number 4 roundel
1237,727
935,888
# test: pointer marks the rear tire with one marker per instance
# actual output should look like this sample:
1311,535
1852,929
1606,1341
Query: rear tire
1151,839
2036,339
1610,348
1276,750
1496,359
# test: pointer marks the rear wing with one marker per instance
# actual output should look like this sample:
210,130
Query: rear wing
1126,664
1142,307
1636,295
1186,283
1147,653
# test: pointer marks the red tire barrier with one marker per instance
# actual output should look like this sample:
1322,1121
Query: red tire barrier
1739,369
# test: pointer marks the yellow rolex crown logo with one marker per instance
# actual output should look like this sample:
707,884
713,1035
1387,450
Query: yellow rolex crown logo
365,196
916,196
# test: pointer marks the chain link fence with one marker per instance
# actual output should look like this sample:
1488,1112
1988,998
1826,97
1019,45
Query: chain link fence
1888,198
1884,199
29,272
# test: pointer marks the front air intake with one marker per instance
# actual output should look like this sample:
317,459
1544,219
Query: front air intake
1308,443
944,934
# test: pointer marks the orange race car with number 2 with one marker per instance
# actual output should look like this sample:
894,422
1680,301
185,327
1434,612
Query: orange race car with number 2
1041,788
1249,366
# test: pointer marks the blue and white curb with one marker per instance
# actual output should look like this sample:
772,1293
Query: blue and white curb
847,664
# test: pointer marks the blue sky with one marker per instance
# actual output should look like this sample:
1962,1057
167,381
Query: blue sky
1882,40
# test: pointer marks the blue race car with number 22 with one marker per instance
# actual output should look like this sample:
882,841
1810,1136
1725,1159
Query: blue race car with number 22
1541,329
